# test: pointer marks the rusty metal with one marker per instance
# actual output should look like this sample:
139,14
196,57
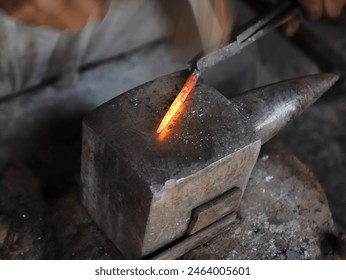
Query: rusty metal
143,192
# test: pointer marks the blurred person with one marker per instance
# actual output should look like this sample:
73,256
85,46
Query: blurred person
69,36
73,15
69,15
40,39
314,10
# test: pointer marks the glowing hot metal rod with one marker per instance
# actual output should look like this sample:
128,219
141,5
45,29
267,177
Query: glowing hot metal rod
179,100
281,15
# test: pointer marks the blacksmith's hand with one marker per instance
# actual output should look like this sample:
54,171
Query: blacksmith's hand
71,15
314,10
199,26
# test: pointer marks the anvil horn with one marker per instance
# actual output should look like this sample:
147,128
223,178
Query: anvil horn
271,107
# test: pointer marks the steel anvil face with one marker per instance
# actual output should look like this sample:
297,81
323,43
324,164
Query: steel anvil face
148,191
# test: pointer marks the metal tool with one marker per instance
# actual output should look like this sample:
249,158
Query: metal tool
261,27
278,17
161,197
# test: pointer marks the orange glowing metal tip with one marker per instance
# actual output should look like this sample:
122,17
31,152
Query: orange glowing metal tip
179,100
174,122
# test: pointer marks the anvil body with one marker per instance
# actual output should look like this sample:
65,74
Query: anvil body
149,191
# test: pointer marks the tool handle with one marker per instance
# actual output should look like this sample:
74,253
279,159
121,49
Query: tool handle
276,18
282,18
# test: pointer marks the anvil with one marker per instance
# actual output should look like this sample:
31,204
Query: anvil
162,195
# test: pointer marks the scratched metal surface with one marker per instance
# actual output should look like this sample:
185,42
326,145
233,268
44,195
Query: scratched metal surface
209,129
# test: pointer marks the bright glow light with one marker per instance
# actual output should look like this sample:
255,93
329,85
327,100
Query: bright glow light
179,100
